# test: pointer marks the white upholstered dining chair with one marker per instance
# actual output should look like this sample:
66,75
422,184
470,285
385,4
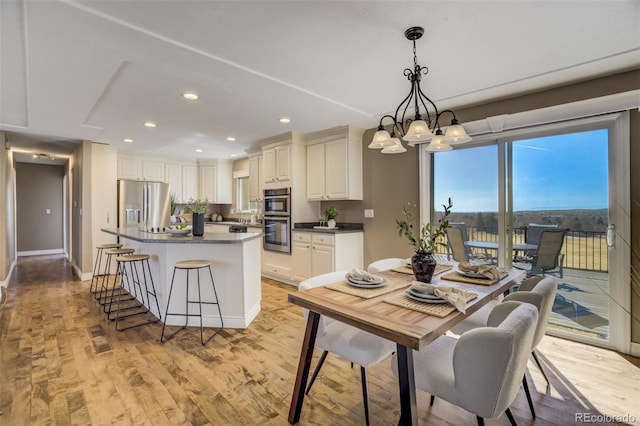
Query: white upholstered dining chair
355,345
538,291
480,371
386,264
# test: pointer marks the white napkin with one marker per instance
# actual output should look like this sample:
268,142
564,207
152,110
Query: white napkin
453,295
490,272
361,275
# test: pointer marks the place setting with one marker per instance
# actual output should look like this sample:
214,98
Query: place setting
436,300
363,284
475,274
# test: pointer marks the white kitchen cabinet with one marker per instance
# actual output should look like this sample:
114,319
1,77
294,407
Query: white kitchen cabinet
153,170
277,265
131,167
173,176
189,182
277,164
256,178
208,183
216,181
317,253
301,253
334,164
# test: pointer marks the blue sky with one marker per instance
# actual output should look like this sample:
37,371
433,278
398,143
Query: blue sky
550,173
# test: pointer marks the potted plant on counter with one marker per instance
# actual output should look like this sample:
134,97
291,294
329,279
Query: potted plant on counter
330,214
198,208
423,263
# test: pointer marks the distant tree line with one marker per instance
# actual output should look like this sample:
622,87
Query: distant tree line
573,220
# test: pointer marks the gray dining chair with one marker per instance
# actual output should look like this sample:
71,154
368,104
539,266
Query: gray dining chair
538,291
480,371
357,346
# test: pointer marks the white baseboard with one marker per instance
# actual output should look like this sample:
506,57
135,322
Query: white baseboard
214,321
635,349
40,252
5,283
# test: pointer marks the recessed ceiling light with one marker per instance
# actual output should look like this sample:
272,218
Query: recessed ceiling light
149,124
190,95
233,155
127,140
231,139
285,120
198,150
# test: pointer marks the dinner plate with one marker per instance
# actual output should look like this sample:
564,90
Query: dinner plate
472,274
422,299
367,284
423,295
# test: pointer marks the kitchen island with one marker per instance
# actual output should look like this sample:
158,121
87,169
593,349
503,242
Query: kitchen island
235,264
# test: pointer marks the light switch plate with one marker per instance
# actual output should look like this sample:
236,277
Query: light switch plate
368,212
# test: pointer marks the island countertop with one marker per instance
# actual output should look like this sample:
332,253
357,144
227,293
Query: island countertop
163,237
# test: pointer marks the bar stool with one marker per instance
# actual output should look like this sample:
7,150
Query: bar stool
188,265
134,273
103,298
97,273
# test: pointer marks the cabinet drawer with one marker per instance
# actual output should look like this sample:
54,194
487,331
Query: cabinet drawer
327,239
302,237
279,270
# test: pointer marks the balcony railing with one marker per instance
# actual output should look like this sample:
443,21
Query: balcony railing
584,250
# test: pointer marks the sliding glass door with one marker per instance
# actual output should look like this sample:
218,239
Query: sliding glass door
516,192
560,182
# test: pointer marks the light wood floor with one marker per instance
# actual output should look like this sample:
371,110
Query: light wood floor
62,363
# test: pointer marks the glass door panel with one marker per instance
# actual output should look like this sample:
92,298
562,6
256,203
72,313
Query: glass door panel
561,182
470,178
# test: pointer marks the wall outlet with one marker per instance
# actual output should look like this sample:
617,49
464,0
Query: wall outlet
368,212
47,211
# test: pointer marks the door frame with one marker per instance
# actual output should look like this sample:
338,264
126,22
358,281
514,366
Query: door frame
619,202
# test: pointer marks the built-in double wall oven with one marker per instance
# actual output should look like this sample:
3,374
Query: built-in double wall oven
277,220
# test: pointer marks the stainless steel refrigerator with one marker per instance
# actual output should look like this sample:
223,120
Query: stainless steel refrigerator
144,205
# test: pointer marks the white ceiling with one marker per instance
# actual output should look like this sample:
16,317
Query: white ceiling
96,70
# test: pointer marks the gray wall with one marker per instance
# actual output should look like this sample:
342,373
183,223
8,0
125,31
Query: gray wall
39,187
392,180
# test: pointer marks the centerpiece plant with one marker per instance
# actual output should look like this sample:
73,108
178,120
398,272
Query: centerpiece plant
425,242
198,208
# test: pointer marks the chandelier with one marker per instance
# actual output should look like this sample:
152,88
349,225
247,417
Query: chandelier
420,128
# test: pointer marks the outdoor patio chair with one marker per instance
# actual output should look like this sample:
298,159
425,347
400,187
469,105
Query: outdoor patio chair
547,259
532,234
456,246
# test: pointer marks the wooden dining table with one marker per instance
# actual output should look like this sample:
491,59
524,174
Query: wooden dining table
408,328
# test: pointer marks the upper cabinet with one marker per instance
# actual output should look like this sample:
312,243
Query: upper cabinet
189,182
334,164
136,168
173,176
256,178
216,181
277,164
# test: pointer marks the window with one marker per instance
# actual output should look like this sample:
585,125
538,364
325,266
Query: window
242,194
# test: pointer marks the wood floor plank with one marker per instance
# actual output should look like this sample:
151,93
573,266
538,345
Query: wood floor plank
63,363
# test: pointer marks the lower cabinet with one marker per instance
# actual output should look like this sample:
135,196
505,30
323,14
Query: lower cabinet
277,265
316,253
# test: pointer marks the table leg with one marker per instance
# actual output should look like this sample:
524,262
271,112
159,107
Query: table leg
406,380
304,365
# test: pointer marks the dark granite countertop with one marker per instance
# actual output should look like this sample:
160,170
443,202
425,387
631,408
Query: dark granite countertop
341,228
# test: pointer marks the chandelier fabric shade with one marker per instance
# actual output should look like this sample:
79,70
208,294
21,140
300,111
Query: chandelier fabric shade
418,129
